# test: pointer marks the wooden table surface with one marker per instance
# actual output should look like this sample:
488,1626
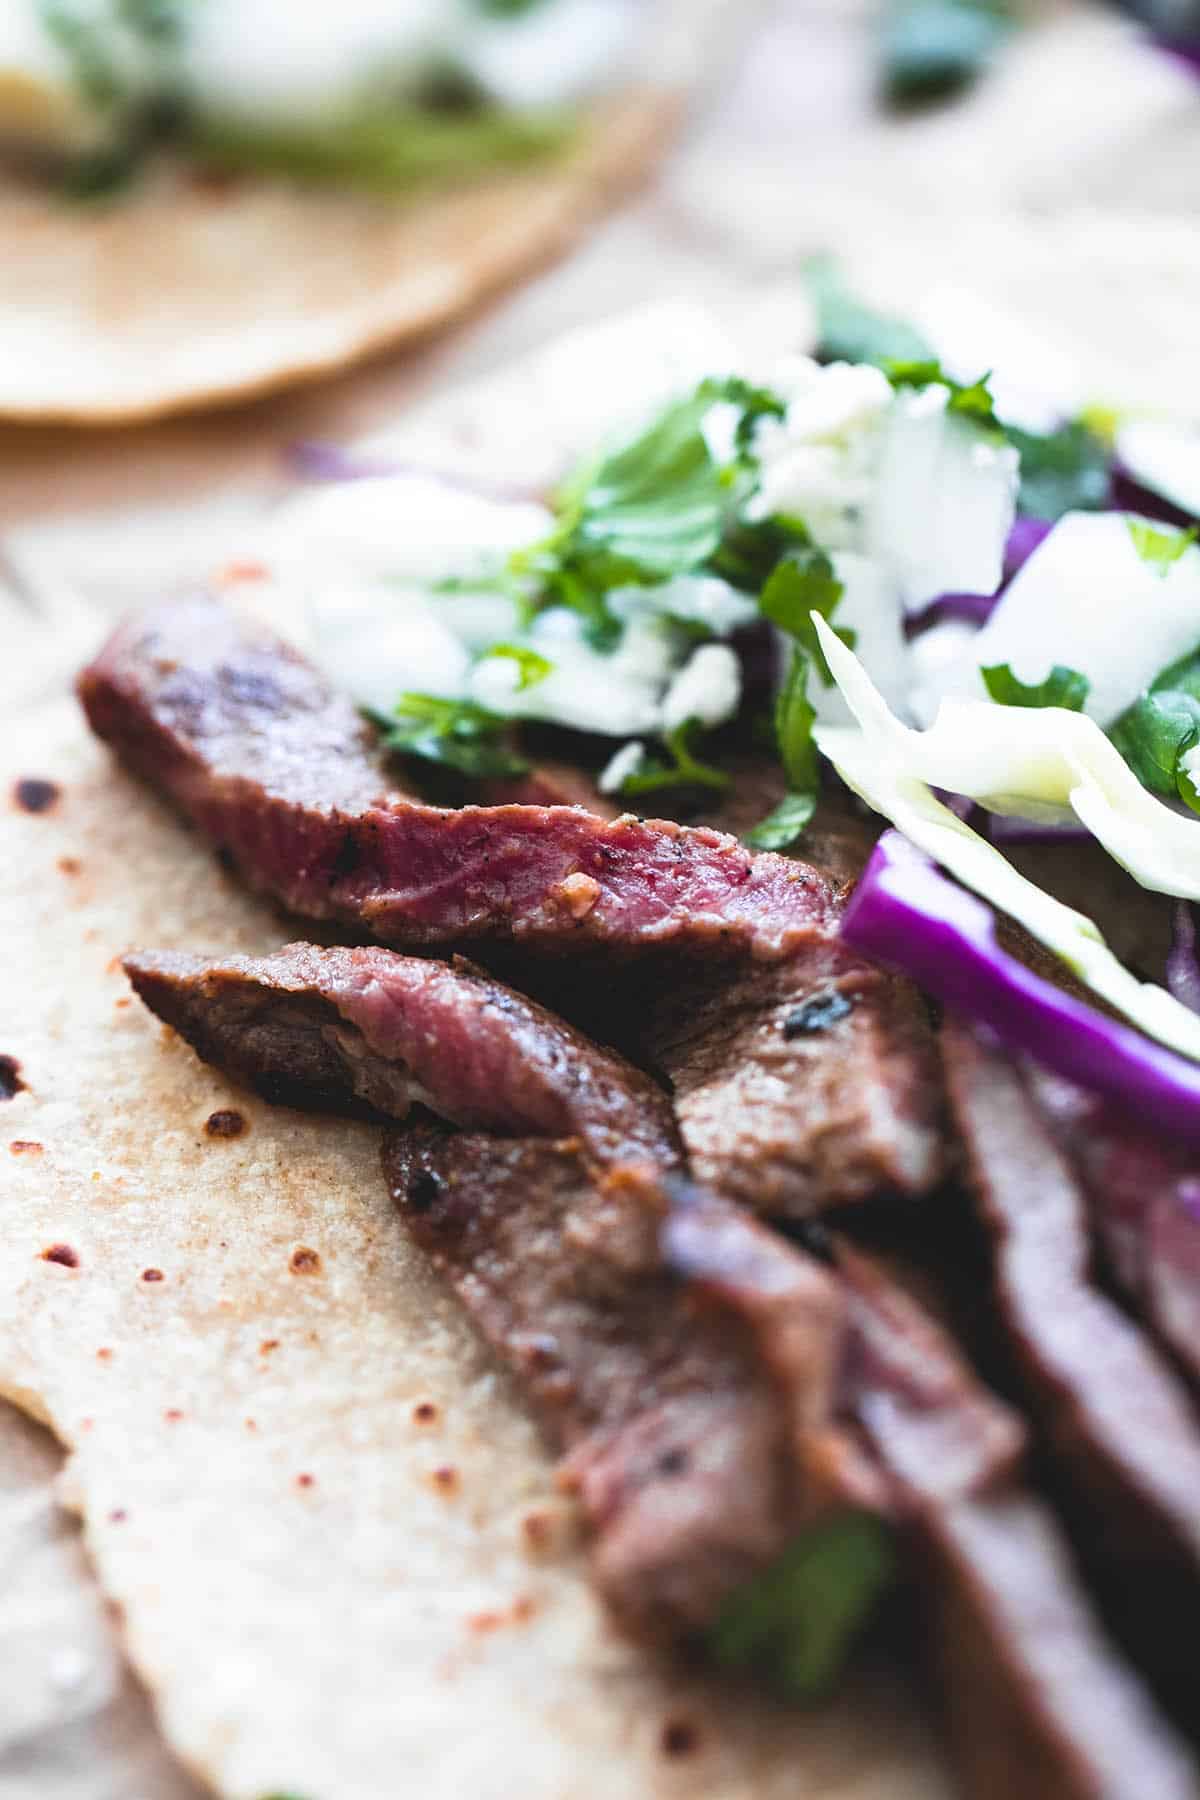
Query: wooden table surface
788,153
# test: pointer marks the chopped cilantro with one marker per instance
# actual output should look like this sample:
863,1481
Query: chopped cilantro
455,733
794,719
1154,734
1062,687
684,770
785,825
796,1622
1061,471
931,48
1160,546
1182,677
531,667
750,549
802,584
971,400
848,330
754,403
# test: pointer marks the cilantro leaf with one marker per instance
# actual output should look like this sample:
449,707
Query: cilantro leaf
531,667
971,400
931,48
750,549
785,825
1153,734
656,505
804,583
1160,546
1062,687
796,1621
794,720
684,770
1182,677
849,330
455,733
754,403
1061,471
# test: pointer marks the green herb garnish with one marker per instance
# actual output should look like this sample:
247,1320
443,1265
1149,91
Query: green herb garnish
1158,546
1062,687
849,330
1061,471
531,667
931,48
795,1623
457,734
785,824
685,769
971,400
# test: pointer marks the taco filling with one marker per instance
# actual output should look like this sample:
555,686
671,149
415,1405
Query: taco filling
802,1153
391,97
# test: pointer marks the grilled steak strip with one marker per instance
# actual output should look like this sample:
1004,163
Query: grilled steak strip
711,1407
1145,1203
341,1028
806,1084
1039,1703
254,748
1117,1421
677,1440
801,1085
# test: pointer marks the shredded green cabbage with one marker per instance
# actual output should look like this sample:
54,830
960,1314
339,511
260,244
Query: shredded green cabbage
1037,763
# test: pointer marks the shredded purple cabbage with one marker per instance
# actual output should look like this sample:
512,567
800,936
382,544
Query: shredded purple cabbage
1182,50
967,609
905,912
1183,965
977,609
1127,494
1023,540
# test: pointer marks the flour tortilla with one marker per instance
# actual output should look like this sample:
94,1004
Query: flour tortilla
325,1595
180,294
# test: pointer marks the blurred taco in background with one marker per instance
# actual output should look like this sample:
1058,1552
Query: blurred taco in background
201,202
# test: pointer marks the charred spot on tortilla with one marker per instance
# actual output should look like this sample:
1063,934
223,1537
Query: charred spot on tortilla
152,1275
25,1147
33,794
226,1122
62,1254
304,1261
11,1082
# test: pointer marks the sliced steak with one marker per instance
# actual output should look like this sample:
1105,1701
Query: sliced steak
807,1084
801,1085
254,748
1145,1202
676,1438
1040,1704
1117,1421
339,1027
